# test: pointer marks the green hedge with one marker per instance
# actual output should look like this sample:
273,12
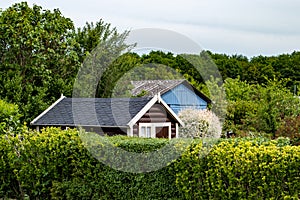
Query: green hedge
241,169
55,164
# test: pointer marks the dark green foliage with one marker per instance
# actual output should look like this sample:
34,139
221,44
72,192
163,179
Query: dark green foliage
55,164
258,70
40,54
91,35
36,56
108,84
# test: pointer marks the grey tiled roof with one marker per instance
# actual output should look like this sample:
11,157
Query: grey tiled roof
92,112
154,87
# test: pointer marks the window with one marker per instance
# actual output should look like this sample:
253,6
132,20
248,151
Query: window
149,130
146,131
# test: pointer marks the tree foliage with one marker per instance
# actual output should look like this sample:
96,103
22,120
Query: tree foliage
37,56
259,107
260,69
9,117
40,54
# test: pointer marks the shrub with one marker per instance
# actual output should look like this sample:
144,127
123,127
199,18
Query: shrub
199,124
55,164
290,128
258,108
241,169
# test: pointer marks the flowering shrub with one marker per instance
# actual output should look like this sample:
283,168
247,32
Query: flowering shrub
199,124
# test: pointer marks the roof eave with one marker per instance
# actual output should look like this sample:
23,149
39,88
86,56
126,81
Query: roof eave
200,94
47,110
74,125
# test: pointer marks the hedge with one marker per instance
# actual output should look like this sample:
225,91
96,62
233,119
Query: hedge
241,169
55,164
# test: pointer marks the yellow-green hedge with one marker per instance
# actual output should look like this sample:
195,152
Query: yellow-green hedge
240,170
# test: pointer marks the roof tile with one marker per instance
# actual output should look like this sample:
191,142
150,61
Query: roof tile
93,111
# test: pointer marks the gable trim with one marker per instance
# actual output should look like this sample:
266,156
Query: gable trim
142,111
147,107
47,110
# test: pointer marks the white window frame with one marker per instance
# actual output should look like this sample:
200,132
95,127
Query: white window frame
153,127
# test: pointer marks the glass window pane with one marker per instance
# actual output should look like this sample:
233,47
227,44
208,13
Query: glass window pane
148,132
143,131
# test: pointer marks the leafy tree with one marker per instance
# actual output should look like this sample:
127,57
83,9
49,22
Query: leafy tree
90,36
276,102
112,82
230,66
41,53
36,56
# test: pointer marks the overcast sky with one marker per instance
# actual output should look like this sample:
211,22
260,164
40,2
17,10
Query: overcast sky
248,27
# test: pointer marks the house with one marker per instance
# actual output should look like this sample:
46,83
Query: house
141,117
178,94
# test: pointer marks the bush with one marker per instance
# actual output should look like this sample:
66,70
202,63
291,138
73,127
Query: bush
290,128
199,124
258,108
55,164
241,170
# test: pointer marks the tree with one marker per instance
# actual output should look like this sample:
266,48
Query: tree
36,56
41,53
90,36
276,102
115,82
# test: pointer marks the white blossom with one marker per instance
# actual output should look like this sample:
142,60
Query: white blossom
199,124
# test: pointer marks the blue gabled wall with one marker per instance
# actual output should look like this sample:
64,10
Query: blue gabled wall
181,97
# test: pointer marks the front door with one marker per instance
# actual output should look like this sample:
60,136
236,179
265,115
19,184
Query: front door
162,132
